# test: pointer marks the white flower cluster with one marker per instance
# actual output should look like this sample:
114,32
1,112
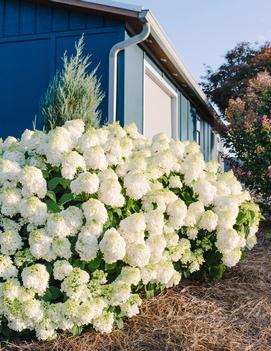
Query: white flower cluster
87,216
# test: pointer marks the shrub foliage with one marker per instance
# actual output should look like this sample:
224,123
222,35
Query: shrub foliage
92,218
230,80
249,135
73,93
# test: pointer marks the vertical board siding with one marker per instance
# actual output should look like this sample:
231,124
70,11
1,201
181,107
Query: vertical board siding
77,20
184,118
60,20
11,18
19,17
191,122
94,22
27,18
207,146
23,82
202,140
43,19
2,13
214,154
33,39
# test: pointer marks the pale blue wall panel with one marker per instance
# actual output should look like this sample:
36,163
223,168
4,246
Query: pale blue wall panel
191,122
134,92
184,118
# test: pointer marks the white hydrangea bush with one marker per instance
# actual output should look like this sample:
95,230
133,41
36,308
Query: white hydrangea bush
92,218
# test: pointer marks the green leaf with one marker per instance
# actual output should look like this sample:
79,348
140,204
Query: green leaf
49,268
45,174
53,183
130,204
53,293
165,180
78,263
118,212
76,330
51,195
110,267
149,294
65,198
216,272
139,287
52,206
268,236
94,264
65,183
241,217
6,332
119,322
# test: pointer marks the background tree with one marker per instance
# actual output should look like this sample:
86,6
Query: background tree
231,79
73,93
248,135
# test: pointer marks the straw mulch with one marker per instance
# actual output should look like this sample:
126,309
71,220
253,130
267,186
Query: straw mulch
233,314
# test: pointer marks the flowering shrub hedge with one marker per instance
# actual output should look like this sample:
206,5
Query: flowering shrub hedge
248,136
91,218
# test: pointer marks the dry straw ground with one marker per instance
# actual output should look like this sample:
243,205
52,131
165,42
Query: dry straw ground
233,314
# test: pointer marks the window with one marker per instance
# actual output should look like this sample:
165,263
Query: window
160,105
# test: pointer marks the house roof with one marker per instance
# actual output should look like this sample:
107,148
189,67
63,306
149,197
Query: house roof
157,45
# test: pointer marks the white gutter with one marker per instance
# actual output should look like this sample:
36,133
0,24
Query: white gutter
113,68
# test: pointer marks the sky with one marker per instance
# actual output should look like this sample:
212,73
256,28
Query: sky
202,31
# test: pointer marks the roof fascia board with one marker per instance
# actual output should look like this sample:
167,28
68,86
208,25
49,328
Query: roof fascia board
99,6
117,4
161,38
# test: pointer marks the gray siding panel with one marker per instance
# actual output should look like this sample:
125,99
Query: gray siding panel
134,102
208,144
191,122
184,118
134,94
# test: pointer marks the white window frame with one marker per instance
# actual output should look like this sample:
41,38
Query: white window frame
164,85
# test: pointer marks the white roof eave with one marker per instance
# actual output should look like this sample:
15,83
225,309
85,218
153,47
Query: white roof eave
165,44
117,4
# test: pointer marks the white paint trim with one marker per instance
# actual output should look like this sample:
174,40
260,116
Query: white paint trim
164,85
117,4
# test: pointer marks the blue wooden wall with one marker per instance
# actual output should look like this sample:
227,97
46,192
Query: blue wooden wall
33,39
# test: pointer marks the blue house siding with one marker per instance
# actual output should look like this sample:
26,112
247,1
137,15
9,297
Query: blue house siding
33,39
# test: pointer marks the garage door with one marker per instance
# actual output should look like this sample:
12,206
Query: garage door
160,105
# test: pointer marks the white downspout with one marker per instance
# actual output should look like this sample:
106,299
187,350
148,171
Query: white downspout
113,68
